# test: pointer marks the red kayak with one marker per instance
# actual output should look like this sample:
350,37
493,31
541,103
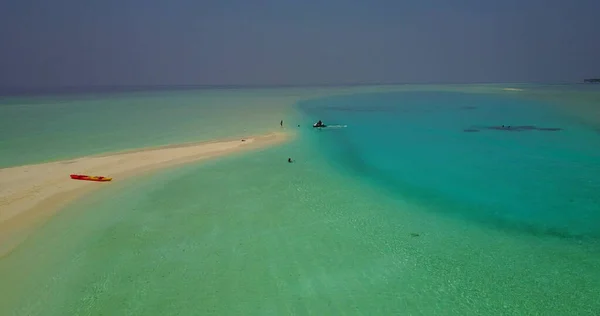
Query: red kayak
90,178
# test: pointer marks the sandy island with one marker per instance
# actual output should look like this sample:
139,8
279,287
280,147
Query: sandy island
30,194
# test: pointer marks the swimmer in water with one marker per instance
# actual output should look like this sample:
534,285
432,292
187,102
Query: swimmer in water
290,160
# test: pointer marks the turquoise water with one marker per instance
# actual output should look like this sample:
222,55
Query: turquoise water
39,129
363,223
415,145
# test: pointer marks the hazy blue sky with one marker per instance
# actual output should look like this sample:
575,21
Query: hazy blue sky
149,42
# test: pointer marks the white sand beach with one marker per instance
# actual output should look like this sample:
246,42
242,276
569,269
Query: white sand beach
30,194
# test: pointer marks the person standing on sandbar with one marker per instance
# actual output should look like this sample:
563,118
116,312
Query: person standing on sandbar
281,123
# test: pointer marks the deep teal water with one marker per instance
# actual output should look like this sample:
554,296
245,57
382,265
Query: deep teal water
413,145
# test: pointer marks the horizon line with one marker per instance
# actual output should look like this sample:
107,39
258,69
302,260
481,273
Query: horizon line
67,89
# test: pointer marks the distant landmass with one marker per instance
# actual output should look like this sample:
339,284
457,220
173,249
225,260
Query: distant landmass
594,80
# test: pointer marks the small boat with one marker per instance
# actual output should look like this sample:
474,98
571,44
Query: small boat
319,124
90,178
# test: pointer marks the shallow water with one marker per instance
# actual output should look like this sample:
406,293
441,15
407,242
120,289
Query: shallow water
364,222
40,129
36,129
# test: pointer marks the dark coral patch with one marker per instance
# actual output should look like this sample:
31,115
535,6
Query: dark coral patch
550,129
522,128
511,128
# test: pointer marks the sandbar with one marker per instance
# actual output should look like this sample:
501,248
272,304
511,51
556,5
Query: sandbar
31,194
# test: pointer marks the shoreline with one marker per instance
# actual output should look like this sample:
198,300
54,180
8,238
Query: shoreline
32,194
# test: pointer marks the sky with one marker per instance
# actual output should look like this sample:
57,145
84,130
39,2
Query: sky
62,43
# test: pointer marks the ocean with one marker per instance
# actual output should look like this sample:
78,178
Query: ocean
44,128
423,205
445,148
